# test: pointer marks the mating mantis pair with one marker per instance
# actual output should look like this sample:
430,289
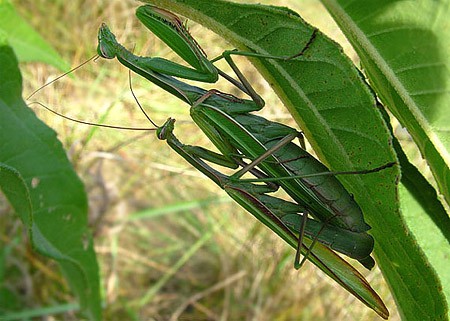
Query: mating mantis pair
239,135
261,147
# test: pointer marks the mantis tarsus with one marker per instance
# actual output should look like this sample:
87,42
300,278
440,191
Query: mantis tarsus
229,125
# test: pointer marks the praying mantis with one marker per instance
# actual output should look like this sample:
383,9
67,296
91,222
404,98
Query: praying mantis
227,122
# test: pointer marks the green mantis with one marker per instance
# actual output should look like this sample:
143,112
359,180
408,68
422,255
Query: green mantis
277,214
228,123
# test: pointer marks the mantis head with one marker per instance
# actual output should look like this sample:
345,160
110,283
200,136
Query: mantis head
166,129
107,43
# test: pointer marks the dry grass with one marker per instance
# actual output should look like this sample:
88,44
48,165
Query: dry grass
203,260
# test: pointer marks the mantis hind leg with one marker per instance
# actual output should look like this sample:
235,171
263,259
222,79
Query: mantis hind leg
352,244
301,233
297,263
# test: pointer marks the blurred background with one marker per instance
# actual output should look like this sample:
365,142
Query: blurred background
171,245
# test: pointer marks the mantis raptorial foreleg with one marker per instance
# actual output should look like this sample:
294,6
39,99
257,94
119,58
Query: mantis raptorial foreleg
171,30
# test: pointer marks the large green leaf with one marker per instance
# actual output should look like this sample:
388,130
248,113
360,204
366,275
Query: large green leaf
39,182
27,43
404,46
327,97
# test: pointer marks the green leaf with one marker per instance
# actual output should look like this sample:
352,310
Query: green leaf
40,184
27,43
429,223
403,46
337,112
433,242
422,191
